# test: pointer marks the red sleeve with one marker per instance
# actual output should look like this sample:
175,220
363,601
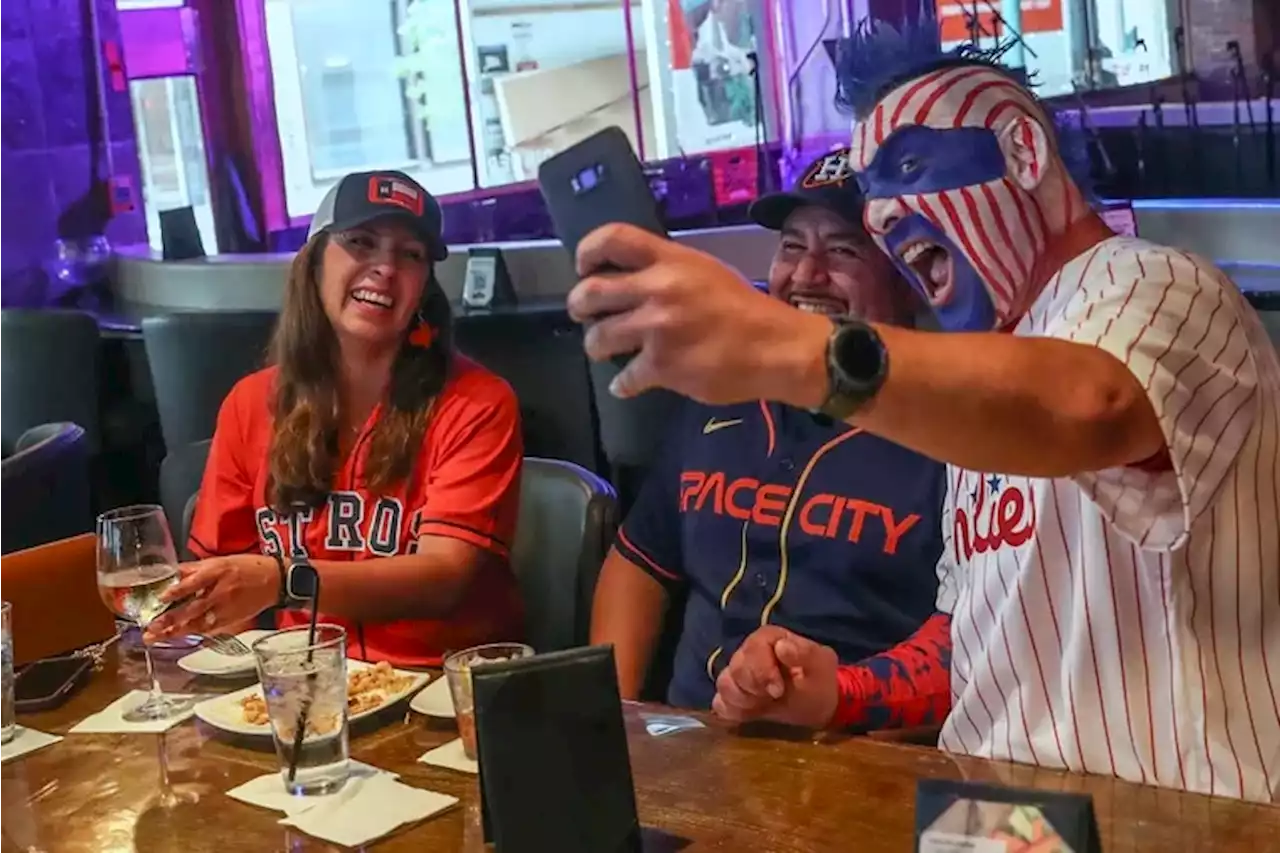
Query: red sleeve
224,518
476,451
908,685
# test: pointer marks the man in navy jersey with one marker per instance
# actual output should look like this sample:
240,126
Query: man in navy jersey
766,515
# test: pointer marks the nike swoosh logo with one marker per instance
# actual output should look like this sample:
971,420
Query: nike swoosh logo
713,425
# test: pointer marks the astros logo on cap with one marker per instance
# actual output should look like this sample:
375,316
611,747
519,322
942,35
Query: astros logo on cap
830,170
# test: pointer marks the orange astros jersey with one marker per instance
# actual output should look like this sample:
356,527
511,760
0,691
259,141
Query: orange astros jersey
465,484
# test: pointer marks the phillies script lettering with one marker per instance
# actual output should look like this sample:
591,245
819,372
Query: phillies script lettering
1001,514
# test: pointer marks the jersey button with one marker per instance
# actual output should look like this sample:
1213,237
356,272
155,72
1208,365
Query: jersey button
787,464
761,580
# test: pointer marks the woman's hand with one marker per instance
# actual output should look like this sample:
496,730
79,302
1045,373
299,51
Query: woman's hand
224,592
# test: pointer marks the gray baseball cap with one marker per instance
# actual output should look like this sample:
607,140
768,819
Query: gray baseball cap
362,197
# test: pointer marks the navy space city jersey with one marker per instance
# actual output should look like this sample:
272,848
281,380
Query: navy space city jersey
771,514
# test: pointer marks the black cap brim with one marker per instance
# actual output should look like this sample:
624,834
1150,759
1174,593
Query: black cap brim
771,211
438,248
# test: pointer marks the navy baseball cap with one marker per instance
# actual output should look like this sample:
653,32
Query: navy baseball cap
828,182
365,196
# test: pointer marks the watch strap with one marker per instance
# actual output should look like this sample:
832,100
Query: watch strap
282,599
857,364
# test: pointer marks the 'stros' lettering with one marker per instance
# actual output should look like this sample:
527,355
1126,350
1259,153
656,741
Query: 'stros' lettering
823,515
994,521
352,522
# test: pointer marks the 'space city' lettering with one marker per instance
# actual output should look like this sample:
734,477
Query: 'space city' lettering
821,514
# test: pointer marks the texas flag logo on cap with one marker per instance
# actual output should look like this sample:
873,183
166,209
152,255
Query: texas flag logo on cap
386,190
831,170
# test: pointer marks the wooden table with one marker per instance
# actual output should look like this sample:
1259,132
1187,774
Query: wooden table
710,789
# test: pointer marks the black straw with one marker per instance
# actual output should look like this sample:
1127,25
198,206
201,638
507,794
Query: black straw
311,677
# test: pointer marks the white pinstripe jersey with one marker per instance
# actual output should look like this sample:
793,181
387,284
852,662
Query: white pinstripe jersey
1127,622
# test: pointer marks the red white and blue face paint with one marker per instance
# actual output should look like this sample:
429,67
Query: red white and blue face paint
940,200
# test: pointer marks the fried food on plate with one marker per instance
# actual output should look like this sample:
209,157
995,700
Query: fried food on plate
367,689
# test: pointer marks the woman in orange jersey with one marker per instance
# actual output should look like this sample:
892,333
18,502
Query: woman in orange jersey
369,449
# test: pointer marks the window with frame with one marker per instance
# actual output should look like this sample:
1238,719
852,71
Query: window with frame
1070,45
368,84
345,100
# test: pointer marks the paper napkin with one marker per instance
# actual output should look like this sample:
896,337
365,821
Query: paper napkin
452,756
666,724
269,792
110,719
26,740
367,809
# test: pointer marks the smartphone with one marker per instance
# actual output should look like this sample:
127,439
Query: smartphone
48,683
595,182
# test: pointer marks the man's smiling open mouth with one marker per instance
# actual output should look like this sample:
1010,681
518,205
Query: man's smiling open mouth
934,269
818,303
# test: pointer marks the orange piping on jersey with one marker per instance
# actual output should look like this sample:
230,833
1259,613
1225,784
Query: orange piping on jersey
786,520
768,422
664,572
728,590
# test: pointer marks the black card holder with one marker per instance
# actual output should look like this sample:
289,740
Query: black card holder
555,773
947,811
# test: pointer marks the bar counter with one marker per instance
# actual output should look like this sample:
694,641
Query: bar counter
709,789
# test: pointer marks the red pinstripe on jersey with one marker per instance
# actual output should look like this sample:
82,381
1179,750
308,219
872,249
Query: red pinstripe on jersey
1136,630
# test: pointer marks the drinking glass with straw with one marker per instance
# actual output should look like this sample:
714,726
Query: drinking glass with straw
304,681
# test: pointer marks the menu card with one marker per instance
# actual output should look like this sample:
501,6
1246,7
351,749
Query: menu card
555,773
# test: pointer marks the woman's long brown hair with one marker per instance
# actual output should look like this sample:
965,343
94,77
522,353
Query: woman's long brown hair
304,443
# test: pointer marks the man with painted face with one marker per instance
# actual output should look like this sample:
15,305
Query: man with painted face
749,516
1109,409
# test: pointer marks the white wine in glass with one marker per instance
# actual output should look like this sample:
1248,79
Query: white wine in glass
136,563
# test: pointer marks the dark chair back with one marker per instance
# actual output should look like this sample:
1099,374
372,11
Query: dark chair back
540,356
567,520
631,431
180,475
195,359
49,372
45,493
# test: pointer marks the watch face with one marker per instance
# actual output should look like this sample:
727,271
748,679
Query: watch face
857,353
304,582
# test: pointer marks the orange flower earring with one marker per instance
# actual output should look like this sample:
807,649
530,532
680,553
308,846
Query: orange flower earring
422,335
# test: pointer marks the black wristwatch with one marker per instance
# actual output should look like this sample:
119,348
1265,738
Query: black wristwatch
298,583
857,365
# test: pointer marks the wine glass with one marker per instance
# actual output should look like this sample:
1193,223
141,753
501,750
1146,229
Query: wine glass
136,563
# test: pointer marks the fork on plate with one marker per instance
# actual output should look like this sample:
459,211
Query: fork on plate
226,644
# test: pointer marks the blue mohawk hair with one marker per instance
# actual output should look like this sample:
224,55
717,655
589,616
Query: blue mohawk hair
879,57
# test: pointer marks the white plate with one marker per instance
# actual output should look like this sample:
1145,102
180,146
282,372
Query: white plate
208,662
435,701
224,712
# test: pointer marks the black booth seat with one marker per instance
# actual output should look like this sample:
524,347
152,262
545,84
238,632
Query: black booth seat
538,351
195,358
58,369
45,493
49,372
568,517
